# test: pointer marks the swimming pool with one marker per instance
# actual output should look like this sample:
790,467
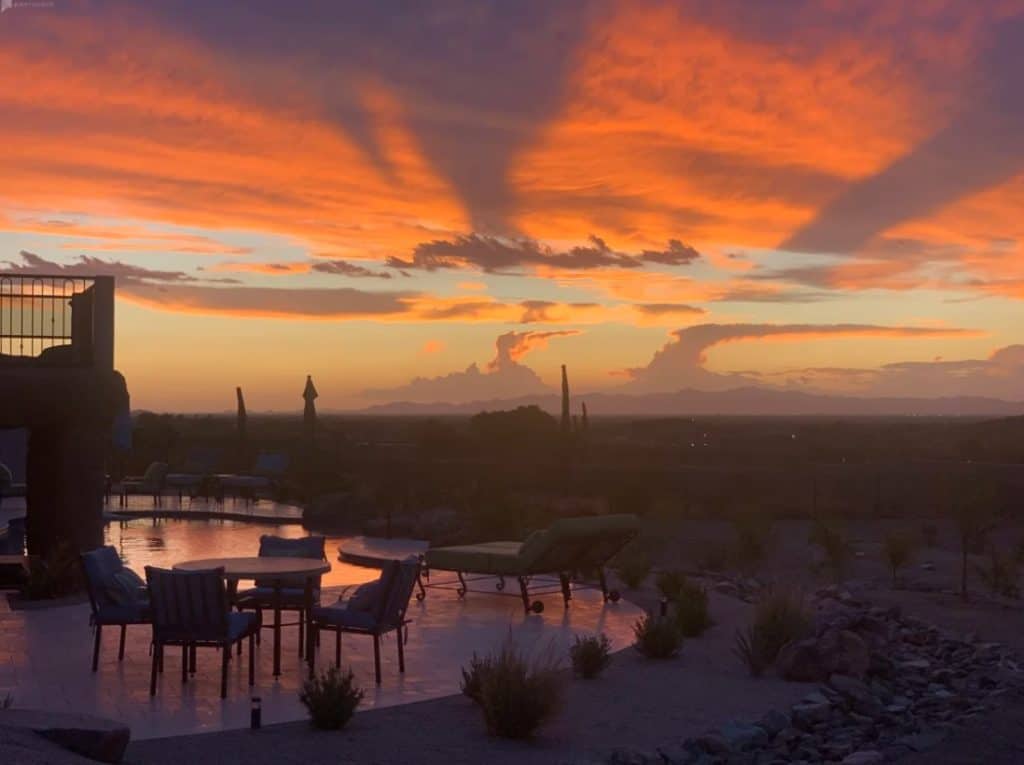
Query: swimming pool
166,541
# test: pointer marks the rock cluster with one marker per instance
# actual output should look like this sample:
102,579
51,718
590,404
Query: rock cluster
890,685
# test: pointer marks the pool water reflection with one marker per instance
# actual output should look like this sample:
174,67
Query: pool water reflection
164,542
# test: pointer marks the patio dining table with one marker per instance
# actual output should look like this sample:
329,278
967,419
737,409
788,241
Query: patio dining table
276,570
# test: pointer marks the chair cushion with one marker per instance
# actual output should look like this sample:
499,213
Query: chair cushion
241,624
346,618
365,597
126,588
500,558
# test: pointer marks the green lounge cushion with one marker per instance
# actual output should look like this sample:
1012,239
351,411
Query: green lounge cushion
568,544
499,558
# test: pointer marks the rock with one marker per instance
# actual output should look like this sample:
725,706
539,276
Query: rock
634,757
801,662
807,713
845,653
774,722
923,741
741,736
92,737
864,757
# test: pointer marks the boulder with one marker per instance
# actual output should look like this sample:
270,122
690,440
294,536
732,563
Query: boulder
800,661
92,737
864,757
844,653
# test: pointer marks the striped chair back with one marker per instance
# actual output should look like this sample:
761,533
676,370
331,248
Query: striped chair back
302,547
402,581
189,606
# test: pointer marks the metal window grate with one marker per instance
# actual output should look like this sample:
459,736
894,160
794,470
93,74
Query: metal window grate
35,312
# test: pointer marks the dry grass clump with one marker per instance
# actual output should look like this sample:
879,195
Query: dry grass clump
331,697
657,637
590,655
780,618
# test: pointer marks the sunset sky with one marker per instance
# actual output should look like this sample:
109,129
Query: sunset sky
819,194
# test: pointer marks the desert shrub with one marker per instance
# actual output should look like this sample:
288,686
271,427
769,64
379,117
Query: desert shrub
590,655
779,619
690,608
331,697
715,557
835,547
1001,574
656,637
669,582
898,551
472,677
516,696
974,517
57,574
749,650
930,534
753,534
633,568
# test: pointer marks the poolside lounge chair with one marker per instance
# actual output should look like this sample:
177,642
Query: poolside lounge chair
570,545
194,476
191,609
151,482
293,592
265,477
375,609
116,594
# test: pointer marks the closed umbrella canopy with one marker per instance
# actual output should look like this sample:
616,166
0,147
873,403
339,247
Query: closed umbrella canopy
309,413
242,417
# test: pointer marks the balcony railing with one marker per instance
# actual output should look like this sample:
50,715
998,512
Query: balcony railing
57,320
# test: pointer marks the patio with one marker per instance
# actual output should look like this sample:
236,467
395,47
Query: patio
45,658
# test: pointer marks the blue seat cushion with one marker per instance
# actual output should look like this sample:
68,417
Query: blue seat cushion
366,597
339,616
240,625
126,588
137,613
263,597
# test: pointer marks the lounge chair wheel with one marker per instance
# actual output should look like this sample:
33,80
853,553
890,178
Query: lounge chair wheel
537,607
500,586
614,596
420,596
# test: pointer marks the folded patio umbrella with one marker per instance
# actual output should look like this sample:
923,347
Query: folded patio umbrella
309,413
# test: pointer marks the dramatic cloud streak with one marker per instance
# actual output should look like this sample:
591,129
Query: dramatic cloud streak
681,362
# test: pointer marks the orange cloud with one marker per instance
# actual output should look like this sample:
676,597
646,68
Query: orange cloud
433,346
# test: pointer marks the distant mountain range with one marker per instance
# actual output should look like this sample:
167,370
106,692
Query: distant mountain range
737,401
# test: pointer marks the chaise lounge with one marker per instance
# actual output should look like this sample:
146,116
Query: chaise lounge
568,546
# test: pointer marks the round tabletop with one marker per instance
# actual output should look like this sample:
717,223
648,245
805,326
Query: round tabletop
253,568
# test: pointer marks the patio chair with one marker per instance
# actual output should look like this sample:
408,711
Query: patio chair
375,609
117,595
151,482
191,609
568,546
293,590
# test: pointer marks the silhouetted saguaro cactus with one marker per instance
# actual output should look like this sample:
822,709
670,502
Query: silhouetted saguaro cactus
566,416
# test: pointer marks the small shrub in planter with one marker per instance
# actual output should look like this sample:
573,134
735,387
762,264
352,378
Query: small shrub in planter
633,569
690,608
657,637
670,582
590,655
331,698
515,695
